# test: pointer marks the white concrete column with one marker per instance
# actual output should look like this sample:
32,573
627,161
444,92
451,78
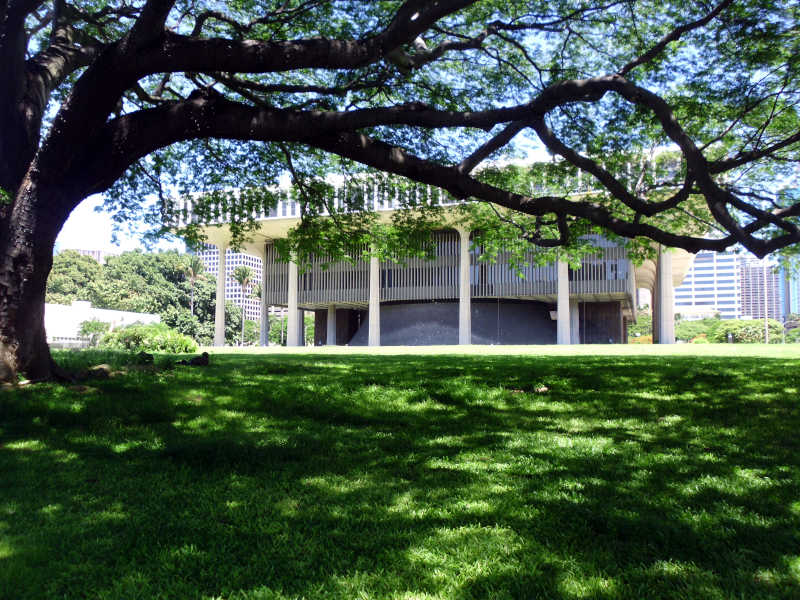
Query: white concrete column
562,304
219,313
330,338
666,299
263,338
464,296
292,329
574,323
374,318
301,327
654,308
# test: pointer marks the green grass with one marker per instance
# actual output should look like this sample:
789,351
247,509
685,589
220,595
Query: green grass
643,473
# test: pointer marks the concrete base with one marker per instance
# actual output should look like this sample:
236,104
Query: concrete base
436,323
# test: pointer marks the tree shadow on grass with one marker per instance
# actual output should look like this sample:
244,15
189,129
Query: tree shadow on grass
447,476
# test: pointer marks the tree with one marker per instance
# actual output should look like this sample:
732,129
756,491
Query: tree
132,98
746,331
143,282
243,275
94,329
73,277
140,282
688,330
643,325
194,270
251,332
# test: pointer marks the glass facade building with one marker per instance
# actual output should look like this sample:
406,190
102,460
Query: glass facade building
761,290
712,286
735,286
233,291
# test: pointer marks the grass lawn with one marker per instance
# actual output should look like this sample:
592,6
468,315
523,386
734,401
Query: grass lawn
589,472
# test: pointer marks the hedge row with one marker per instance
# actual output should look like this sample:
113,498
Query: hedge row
156,337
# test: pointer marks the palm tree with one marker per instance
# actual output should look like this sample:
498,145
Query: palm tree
243,275
193,268
263,333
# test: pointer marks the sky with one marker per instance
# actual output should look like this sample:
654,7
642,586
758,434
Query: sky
87,229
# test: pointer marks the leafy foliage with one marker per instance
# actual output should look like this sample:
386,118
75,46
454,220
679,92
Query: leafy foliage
136,281
94,329
73,277
252,332
748,332
682,117
278,325
155,337
688,330
643,325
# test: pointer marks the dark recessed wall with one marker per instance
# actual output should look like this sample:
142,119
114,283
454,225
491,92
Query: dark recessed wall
348,322
602,323
436,323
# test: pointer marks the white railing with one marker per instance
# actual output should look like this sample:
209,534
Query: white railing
375,194
371,192
607,272
66,342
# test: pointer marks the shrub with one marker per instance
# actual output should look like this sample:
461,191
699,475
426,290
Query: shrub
642,339
747,332
688,330
793,336
94,330
700,339
156,337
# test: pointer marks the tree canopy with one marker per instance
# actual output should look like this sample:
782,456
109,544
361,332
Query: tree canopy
149,96
144,282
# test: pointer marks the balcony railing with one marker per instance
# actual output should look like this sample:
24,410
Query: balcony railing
377,194
607,272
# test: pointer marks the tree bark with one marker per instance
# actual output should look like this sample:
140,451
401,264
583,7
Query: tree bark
27,239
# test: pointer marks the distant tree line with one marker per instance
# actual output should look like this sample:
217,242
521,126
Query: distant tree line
717,330
168,284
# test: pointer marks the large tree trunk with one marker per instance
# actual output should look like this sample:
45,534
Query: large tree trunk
27,238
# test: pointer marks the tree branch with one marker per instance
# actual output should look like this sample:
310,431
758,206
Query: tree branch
149,26
673,36
501,139
720,166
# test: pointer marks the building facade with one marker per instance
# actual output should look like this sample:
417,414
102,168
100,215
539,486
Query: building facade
790,291
733,286
712,286
233,291
761,291
455,298
63,322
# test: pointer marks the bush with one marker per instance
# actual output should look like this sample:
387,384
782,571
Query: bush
156,337
689,330
642,339
700,339
793,336
94,330
747,332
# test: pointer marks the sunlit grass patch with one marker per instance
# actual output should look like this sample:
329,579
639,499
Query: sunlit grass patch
340,475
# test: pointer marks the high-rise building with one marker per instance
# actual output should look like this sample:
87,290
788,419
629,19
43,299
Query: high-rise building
233,291
791,291
712,286
761,290
732,286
